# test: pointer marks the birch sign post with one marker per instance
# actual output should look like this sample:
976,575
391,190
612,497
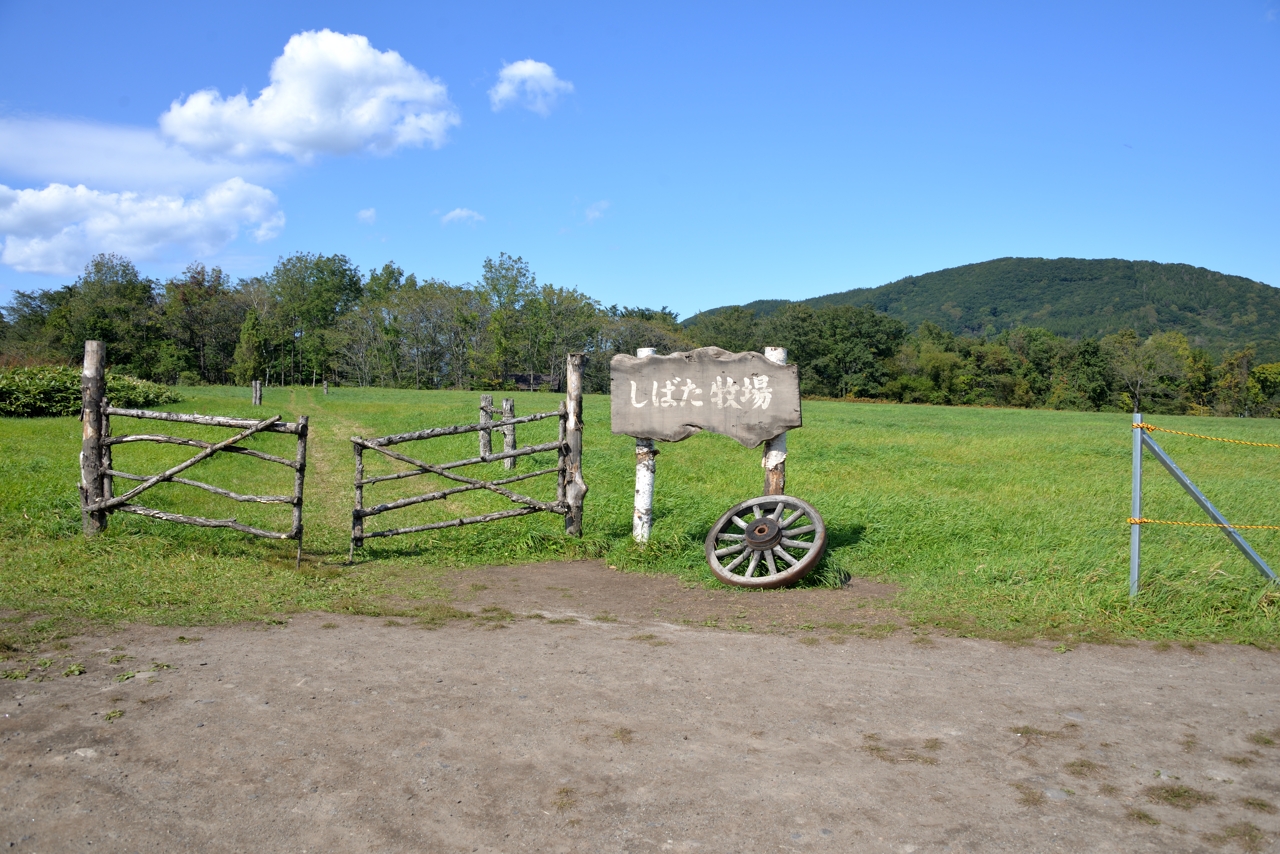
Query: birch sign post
745,396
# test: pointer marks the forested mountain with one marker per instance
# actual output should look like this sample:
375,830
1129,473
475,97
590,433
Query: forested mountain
1075,298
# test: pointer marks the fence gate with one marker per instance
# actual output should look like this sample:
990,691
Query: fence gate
97,473
570,487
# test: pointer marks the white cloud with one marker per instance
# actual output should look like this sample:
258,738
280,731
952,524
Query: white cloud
57,229
113,157
596,210
461,215
368,216
531,83
329,94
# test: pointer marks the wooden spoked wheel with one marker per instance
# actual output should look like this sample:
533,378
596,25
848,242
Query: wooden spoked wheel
770,541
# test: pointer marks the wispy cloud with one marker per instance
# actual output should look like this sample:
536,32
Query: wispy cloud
461,215
596,210
193,183
114,157
56,229
329,94
532,84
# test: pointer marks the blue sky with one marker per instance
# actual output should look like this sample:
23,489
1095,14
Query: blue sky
688,155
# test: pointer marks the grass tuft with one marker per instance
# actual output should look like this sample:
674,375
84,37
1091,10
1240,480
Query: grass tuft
1182,797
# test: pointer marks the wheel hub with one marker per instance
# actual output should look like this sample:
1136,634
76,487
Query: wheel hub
763,534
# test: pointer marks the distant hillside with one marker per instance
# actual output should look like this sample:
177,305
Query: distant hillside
1077,298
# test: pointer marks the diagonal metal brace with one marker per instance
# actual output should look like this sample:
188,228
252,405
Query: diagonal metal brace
1212,512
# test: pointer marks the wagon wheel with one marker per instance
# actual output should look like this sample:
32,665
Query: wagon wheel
768,541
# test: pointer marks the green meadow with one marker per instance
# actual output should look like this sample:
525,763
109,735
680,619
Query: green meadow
1000,523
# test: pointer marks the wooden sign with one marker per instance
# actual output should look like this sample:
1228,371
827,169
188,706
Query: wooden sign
741,395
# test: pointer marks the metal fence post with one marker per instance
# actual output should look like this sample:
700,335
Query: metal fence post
1135,509
775,449
646,467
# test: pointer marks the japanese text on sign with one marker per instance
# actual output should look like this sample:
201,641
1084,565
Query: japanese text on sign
672,397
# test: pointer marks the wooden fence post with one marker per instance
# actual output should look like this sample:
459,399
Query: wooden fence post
486,415
93,391
775,449
575,486
257,392
297,484
509,433
646,467
326,386
357,514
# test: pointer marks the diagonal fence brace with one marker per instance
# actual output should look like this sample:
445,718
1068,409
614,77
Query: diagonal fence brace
1212,512
119,500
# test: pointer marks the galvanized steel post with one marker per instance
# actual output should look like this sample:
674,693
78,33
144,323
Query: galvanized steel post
1135,509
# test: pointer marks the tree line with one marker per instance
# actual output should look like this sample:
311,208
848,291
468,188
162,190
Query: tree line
316,318
851,351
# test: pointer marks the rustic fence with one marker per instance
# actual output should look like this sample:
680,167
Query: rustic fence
97,473
570,487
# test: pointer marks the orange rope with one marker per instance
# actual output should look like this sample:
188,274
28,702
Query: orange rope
1204,525
1150,427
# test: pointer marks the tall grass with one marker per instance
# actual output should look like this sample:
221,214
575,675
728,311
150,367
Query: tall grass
1003,523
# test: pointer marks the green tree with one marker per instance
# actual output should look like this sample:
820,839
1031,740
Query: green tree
109,302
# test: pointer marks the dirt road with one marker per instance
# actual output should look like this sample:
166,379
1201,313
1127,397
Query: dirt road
602,727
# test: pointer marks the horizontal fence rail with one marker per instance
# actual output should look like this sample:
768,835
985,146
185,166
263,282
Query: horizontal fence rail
98,472
570,488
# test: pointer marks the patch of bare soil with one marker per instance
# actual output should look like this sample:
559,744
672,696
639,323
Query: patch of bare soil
587,589
600,726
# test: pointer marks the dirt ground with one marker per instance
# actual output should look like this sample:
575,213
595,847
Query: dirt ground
619,720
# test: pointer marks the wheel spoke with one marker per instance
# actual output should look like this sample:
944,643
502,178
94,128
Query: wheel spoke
782,554
801,541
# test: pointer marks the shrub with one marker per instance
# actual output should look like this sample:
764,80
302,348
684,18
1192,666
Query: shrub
52,391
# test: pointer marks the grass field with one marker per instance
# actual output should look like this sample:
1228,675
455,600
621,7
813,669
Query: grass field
999,523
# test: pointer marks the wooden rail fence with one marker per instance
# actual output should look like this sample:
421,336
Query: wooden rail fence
571,490
97,473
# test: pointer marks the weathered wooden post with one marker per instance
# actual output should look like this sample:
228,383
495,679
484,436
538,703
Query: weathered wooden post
257,392
509,432
775,449
486,415
326,386
301,460
357,514
646,468
575,486
93,391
